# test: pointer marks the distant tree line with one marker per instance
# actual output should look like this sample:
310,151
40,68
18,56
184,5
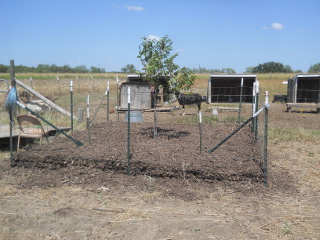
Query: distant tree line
276,67
271,67
205,70
268,67
314,68
46,68
129,68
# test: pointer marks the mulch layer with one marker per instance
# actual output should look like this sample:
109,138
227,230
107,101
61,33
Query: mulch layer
174,153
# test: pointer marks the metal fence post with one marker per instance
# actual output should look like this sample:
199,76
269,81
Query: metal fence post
256,109
71,104
253,105
108,94
240,102
200,130
13,84
265,149
129,155
88,119
118,107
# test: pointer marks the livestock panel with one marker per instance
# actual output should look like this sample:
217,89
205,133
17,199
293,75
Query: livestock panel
304,89
227,88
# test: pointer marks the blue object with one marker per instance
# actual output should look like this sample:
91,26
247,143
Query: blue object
11,100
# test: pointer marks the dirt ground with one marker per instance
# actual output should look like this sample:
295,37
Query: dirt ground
61,191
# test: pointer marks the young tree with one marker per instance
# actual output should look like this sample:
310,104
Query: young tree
157,61
158,64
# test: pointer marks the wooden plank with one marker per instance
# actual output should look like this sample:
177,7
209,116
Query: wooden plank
5,130
230,109
47,101
303,105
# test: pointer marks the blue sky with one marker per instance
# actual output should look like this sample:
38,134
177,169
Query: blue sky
214,34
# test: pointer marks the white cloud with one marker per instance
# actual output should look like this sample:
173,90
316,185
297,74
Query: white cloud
265,28
134,8
152,37
277,26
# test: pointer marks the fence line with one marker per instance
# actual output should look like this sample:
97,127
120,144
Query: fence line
175,133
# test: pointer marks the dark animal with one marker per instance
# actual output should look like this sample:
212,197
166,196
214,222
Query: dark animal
190,99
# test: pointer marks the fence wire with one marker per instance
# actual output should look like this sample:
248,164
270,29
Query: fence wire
162,141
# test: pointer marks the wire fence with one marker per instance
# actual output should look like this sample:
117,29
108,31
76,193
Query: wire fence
159,141
308,96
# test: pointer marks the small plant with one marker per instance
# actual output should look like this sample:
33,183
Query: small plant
150,180
286,228
310,154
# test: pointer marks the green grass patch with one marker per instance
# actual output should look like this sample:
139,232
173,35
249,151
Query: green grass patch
281,134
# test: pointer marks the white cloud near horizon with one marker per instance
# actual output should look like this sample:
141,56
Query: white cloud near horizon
277,26
134,8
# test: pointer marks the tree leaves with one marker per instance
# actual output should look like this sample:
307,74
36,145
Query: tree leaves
157,61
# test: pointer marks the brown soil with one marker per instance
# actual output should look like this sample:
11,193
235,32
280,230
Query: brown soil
173,191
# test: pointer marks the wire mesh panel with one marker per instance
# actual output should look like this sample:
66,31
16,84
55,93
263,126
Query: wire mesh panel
165,143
